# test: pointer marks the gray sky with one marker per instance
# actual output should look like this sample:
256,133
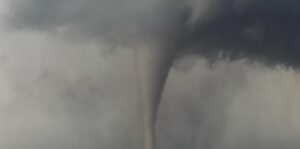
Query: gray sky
73,93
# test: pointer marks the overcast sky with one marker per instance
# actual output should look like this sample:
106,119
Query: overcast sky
59,91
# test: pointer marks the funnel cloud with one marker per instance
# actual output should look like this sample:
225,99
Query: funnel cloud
164,31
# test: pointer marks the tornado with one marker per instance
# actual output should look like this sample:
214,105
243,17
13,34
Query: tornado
259,31
153,65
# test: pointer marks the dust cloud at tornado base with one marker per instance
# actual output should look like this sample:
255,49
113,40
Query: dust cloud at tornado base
90,104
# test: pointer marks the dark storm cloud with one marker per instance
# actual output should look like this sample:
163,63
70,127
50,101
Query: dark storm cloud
261,30
111,20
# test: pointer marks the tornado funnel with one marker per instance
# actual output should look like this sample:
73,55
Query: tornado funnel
153,67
